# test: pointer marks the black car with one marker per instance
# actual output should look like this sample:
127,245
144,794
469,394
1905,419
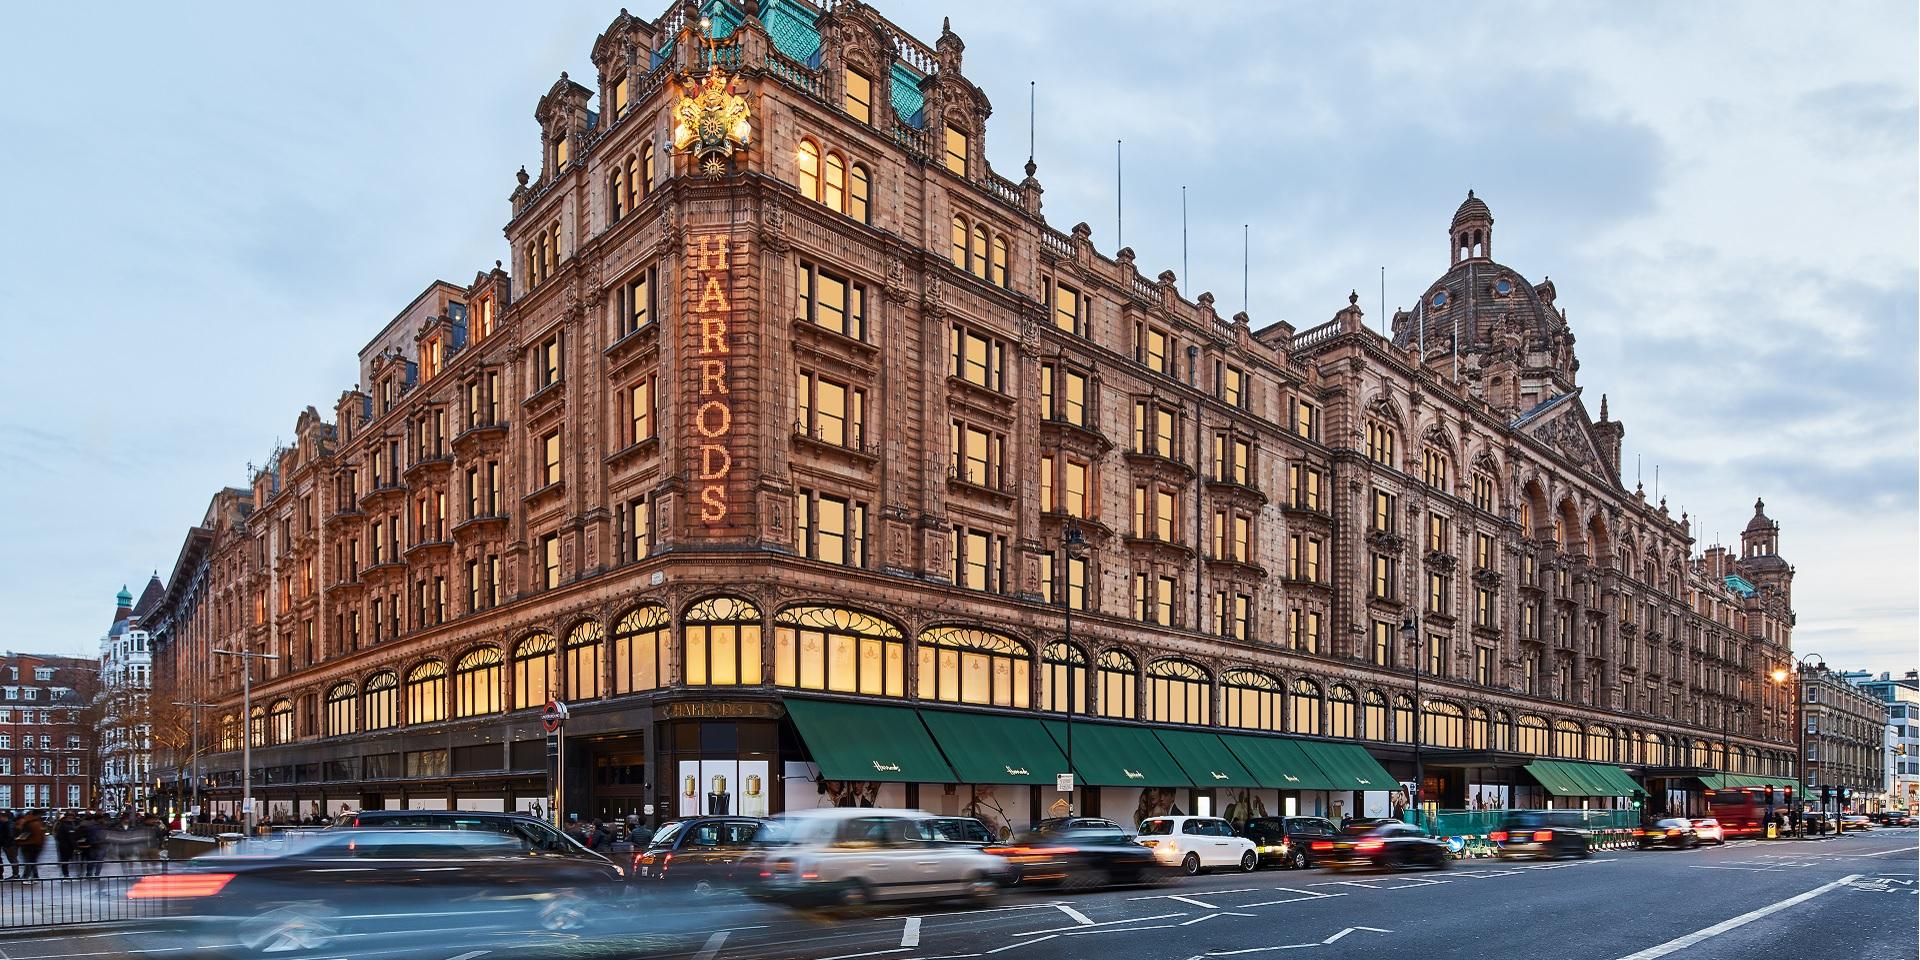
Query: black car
378,887
1287,841
1673,832
703,854
1080,852
1390,845
537,833
1539,833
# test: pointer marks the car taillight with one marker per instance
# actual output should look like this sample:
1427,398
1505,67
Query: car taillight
1542,836
1673,833
1639,832
1498,836
1323,845
163,886
1369,846
1149,843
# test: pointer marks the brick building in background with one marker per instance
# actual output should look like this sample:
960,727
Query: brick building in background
46,736
796,419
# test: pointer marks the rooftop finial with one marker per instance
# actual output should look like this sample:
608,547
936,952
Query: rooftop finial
1353,298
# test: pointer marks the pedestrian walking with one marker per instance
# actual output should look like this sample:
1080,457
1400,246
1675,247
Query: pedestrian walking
66,834
29,840
9,857
93,845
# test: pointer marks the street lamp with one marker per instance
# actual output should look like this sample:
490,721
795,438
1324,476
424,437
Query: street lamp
1410,629
1779,675
247,657
1073,544
193,752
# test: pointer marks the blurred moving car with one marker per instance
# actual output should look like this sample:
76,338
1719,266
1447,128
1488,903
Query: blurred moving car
1080,852
1286,841
1539,833
1390,845
1675,832
1709,830
1892,818
853,856
959,830
537,833
305,893
1856,821
1197,843
703,854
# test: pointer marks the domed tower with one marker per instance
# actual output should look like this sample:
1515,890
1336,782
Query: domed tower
1760,559
1471,235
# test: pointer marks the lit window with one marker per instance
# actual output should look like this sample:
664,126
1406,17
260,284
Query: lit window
808,162
979,359
831,301
550,560
550,459
834,192
859,100
620,96
959,252
1066,308
956,143
859,187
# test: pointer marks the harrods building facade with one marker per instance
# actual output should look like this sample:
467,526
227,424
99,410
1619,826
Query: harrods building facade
787,405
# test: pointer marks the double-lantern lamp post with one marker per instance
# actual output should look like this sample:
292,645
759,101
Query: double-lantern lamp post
1799,673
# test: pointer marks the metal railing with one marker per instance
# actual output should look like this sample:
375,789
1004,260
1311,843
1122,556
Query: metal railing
60,893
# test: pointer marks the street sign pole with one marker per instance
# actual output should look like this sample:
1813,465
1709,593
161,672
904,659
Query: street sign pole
554,717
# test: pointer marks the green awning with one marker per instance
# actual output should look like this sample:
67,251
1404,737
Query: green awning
1564,778
1105,755
1348,767
1278,763
1558,780
1206,760
994,748
1734,781
859,741
1612,779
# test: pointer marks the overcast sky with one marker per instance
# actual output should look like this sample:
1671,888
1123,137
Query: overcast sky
212,207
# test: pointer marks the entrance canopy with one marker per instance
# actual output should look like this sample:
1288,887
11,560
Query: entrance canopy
1281,764
993,748
1348,767
859,741
1206,759
1105,755
1564,778
1735,781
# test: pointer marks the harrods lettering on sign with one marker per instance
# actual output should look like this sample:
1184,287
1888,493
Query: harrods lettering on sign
710,257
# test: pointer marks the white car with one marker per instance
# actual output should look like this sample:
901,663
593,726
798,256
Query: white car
1709,830
852,856
1197,843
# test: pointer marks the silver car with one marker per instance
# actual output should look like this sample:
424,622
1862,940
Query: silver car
854,856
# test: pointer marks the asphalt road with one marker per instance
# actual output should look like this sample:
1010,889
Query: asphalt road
1850,898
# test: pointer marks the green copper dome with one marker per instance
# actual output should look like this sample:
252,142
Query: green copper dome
124,596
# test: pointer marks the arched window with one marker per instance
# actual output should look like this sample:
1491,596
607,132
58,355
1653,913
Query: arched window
967,665
583,661
476,682
1477,733
1303,709
1502,730
1063,675
834,192
633,185
617,193
1531,736
380,701
722,643
833,648
427,693
1380,443
642,645
280,722
808,162
1251,700
1178,692
959,253
979,268
1402,718
1567,737
1442,724
229,732
1373,716
535,675
999,277
340,713
257,726
1119,685
1340,712
644,188
859,187
1599,744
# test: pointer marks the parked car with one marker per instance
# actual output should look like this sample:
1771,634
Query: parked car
378,886
1197,843
1287,841
1080,852
1539,833
960,830
853,856
1709,830
538,833
703,854
1675,832
1388,844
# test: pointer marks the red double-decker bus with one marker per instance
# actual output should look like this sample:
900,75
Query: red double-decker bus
1742,811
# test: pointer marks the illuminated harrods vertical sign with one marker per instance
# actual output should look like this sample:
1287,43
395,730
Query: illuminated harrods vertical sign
710,262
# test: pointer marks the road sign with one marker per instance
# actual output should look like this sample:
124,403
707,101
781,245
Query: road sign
1063,782
554,715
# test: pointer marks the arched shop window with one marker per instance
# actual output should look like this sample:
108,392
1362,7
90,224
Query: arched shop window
380,701
340,708
583,661
722,643
280,722
1119,685
833,648
476,682
1402,718
1303,710
1341,705
1567,737
1178,692
1599,744
1063,673
642,648
427,693
1443,724
534,671
1251,700
1374,716
968,665
1531,736
1478,736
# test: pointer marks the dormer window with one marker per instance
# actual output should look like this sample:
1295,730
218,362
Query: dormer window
956,144
430,358
620,97
560,156
859,99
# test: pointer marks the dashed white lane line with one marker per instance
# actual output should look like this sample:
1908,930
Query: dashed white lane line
1303,895
869,953
910,936
1210,916
1883,853
1702,866
1681,943
1078,917
1023,943
471,954
712,946
1108,923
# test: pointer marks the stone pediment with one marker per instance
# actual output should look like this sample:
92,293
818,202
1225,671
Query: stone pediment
1563,425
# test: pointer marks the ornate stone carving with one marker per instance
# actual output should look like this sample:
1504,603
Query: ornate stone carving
895,285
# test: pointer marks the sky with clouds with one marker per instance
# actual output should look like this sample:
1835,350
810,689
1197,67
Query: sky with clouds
214,206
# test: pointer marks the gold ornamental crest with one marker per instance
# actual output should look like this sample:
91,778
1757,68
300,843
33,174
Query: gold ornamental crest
711,121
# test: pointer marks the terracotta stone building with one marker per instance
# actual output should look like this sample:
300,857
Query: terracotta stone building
797,434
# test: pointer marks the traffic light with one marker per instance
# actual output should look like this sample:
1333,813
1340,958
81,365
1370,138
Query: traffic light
1769,796
1847,794
1636,803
